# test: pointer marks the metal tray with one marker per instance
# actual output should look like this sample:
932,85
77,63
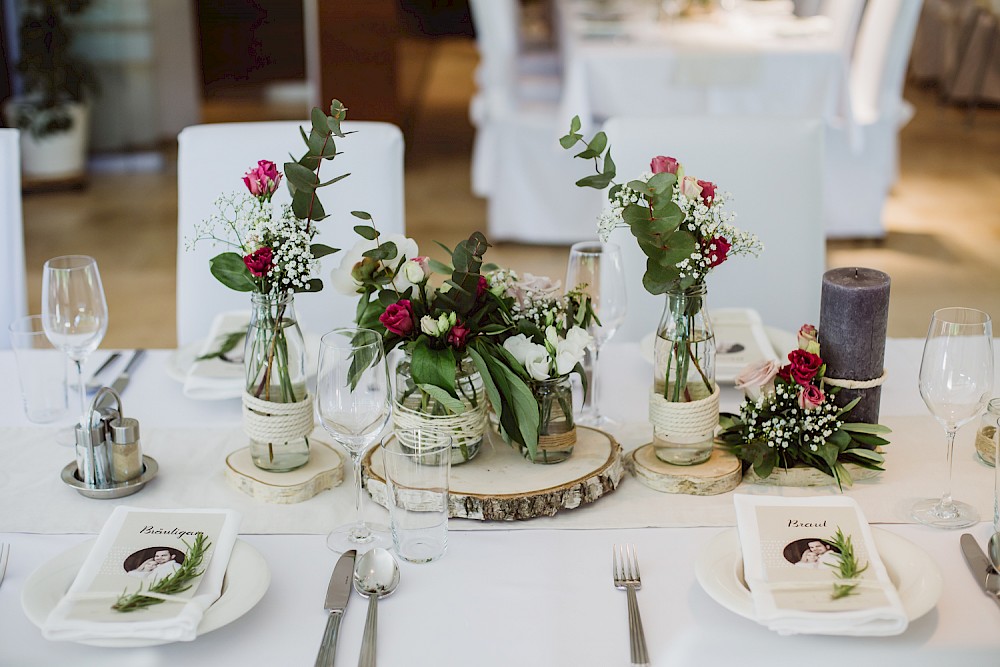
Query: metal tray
120,490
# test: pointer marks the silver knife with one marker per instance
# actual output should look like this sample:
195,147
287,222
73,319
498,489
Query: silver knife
982,569
337,595
122,380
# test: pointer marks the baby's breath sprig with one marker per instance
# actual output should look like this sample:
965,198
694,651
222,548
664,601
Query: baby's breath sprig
847,567
176,583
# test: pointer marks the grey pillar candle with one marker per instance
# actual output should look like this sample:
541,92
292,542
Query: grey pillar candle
854,314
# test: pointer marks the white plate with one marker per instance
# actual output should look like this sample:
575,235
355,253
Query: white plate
181,360
917,578
245,583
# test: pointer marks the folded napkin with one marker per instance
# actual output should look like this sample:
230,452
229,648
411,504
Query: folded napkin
791,562
136,548
215,378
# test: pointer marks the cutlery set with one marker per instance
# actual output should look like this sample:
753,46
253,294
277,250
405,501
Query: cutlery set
97,380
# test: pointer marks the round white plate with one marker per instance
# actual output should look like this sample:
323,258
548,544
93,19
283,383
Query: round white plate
917,578
181,360
245,583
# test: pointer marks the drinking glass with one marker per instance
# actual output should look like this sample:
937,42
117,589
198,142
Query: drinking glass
355,403
597,267
956,379
41,369
74,312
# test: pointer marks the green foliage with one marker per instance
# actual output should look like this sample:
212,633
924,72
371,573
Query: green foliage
229,343
229,269
174,584
848,569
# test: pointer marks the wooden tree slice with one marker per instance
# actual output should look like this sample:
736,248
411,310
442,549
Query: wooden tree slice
501,485
807,476
325,470
720,473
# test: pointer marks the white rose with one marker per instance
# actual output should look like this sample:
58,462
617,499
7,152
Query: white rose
690,187
413,271
517,346
579,338
344,282
429,326
536,361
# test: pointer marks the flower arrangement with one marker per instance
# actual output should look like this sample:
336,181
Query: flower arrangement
787,419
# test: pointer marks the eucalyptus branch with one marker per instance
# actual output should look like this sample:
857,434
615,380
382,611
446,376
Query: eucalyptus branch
176,583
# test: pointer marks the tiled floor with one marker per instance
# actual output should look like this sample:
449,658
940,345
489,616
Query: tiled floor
943,246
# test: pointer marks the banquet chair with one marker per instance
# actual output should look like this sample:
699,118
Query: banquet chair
773,169
13,296
211,162
844,15
862,146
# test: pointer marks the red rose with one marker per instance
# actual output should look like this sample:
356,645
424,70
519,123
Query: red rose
804,366
481,286
661,164
260,261
398,317
719,253
707,192
457,336
262,180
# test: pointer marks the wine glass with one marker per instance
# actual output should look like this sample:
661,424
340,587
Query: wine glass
956,379
355,403
74,312
598,268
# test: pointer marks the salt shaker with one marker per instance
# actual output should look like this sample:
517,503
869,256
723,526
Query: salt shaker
125,451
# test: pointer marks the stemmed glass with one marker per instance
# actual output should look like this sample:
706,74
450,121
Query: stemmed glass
74,312
956,378
355,403
598,267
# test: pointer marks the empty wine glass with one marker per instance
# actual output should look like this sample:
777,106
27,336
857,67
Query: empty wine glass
74,312
956,379
598,268
355,403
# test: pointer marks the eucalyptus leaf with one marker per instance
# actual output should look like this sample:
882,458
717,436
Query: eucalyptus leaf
366,232
320,250
363,215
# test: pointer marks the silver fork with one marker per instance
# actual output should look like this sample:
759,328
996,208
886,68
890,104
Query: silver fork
626,572
4,551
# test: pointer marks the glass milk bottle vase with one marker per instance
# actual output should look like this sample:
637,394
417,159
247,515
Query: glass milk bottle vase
416,409
556,429
277,410
684,403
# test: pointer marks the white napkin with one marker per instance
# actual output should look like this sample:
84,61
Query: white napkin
213,379
85,613
789,566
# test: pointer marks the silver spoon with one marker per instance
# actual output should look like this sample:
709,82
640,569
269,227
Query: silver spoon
376,575
994,550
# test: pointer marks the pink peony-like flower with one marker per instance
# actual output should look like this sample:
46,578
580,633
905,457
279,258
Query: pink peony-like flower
458,335
809,338
260,261
810,397
707,192
804,366
661,164
720,253
398,317
757,379
262,181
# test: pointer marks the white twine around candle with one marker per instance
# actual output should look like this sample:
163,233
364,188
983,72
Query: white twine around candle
857,384
685,423
465,429
267,421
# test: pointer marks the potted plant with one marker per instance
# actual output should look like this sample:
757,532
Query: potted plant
52,112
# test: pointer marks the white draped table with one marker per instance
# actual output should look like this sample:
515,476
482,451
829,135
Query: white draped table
531,593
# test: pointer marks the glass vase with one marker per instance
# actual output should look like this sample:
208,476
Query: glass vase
275,364
556,430
684,406
416,409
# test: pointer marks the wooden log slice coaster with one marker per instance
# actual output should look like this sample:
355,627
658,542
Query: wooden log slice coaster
501,485
720,473
324,470
807,476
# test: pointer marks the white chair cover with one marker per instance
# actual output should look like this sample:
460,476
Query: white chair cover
773,169
862,150
212,160
844,15
13,296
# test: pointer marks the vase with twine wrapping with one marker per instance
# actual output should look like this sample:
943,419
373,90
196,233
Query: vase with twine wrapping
277,410
684,403
556,429
429,408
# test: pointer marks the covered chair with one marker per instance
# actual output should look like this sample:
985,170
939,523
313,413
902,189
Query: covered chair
13,297
211,162
773,169
862,147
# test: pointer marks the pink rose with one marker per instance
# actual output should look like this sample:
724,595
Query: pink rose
262,181
810,397
690,187
458,335
661,164
398,317
809,339
719,253
260,261
481,286
804,366
707,192
757,379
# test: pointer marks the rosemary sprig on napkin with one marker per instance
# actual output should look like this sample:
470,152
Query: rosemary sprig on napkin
229,341
176,583
848,567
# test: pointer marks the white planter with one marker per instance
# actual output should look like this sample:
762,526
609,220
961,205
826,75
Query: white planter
58,155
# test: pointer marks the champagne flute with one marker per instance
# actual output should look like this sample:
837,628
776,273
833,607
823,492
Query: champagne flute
74,312
956,379
355,403
599,269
